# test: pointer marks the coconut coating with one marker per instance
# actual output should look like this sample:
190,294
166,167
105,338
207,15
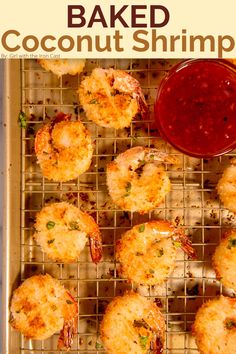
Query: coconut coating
62,231
63,66
147,252
64,149
215,326
111,98
226,187
136,182
40,306
224,260
132,324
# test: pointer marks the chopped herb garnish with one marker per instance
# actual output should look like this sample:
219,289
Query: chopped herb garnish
98,345
230,324
69,302
50,225
94,101
232,243
143,341
177,244
160,252
141,228
151,271
22,120
74,225
51,241
152,157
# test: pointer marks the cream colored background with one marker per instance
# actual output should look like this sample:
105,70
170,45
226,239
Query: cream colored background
201,17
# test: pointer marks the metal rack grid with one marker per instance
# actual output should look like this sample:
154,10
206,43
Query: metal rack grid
192,202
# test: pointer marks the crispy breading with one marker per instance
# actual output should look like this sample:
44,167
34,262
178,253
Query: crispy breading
111,98
215,326
132,324
62,230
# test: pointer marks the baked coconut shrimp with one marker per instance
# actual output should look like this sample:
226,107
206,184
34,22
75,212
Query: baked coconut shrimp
215,326
112,98
224,260
41,306
137,180
63,66
133,324
226,187
64,148
148,251
62,231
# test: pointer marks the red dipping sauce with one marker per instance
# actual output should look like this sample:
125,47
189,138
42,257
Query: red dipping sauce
195,108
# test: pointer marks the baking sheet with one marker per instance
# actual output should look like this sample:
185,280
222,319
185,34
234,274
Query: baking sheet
192,202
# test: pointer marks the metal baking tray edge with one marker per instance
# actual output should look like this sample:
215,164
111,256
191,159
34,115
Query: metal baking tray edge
11,196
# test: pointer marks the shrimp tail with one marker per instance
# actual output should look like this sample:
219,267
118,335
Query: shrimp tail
67,333
158,346
95,243
186,244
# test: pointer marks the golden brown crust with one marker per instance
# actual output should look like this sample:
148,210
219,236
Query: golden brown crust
226,187
131,322
63,66
62,231
111,98
137,182
147,252
224,260
64,149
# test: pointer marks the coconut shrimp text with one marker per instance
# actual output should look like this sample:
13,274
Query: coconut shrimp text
62,231
64,148
41,306
133,324
137,180
148,251
112,98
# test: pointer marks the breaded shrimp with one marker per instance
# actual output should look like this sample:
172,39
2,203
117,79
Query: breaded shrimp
41,306
111,98
148,251
132,324
224,260
137,180
215,326
61,229
63,66
64,148
226,187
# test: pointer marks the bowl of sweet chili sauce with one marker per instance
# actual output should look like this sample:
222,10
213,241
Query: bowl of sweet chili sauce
195,109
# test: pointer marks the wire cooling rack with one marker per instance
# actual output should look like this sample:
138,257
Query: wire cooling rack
192,202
